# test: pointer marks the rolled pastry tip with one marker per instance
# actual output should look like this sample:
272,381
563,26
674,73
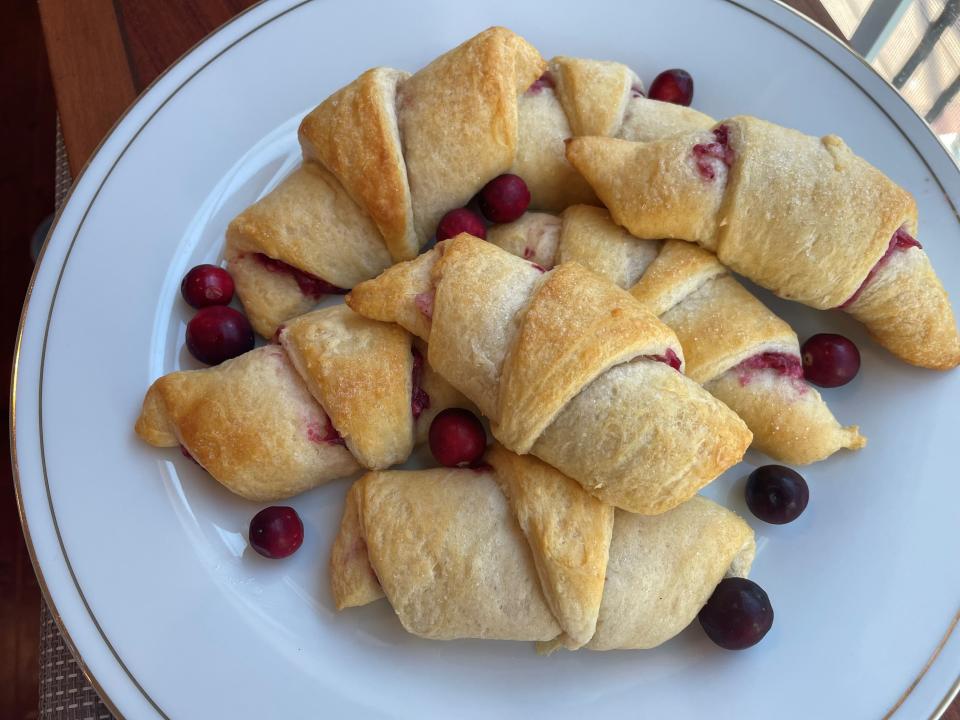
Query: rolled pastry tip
802,216
282,419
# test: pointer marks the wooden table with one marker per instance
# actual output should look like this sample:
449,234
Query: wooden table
103,53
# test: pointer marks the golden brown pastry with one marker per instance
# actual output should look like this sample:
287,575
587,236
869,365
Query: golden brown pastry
389,154
566,366
733,345
517,551
340,393
800,215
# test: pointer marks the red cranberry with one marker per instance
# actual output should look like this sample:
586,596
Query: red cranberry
276,532
544,81
737,615
669,358
504,199
459,221
207,285
218,333
457,438
672,86
830,360
777,494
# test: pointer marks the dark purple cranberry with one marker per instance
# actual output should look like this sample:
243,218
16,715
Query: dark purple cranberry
207,285
461,220
672,86
504,199
777,494
457,438
218,333
830,360
737,615
276,532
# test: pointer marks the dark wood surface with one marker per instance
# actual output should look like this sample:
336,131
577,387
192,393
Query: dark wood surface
28,129
102,54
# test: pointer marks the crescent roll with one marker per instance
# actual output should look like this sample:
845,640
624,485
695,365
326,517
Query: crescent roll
338,394
389,154
566,366
514,550
733,344
799,215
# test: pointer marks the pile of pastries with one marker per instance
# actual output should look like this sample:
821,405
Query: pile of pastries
576,294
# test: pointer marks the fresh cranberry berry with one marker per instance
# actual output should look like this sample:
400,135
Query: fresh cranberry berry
672,86
457,438
276,532
461,220
218,333
830,360
737,615
777,494
207,285
504,199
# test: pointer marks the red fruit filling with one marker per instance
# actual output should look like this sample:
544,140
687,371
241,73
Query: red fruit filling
707,154
310,285
419,399
424,303
781,363
901,240
669,358
327,434
544,81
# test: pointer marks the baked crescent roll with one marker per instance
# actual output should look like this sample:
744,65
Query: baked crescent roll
338,394
733,344
515,550
800,215
566,366
389,154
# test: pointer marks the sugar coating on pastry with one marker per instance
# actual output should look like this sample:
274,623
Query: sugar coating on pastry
541,154
655,190
588,236
352,579
361,373
663,569
534,237
645,120
451,557
458,120
250,422
906,308
630,447
569,535
311,224
354,133
789,419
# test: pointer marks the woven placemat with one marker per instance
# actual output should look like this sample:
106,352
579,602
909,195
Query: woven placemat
65,693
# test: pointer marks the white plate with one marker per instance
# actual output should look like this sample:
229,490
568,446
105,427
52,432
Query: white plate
145,558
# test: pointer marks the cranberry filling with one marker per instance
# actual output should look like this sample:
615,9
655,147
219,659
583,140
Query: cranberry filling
310,285
328,434
424,303
781,363
668,358
538,267
706,154
186,454
544,81
528,252
901,240
275,338
419,399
